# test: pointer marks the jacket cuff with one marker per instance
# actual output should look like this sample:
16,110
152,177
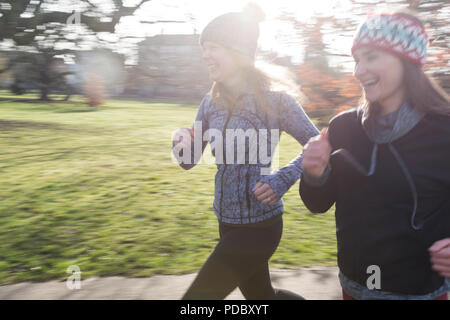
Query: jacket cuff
278,185
317,181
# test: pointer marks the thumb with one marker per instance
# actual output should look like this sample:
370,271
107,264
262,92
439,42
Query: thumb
324,134
439,245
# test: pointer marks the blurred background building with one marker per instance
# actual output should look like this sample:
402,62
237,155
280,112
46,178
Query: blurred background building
170,66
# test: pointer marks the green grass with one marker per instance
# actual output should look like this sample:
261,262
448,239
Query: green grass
96,187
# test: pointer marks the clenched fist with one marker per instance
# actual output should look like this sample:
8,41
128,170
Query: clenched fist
316,154
183,143
440,257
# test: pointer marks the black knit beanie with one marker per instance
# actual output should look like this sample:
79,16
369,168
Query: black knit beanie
236,30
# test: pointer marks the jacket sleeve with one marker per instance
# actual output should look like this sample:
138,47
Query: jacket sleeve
198,145
295,122
318,198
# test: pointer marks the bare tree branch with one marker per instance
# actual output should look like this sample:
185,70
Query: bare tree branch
163,21
91,4
13,23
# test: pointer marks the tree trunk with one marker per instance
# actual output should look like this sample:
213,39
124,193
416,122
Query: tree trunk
44,94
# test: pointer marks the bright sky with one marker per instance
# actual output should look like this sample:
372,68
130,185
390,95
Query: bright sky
275,34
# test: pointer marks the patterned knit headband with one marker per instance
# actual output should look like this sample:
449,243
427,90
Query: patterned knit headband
397,33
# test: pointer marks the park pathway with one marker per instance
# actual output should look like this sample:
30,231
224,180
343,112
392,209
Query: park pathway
319,283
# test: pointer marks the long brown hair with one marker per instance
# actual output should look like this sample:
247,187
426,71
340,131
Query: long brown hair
261,77
422,91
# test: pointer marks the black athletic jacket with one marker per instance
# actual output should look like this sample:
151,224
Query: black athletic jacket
375,219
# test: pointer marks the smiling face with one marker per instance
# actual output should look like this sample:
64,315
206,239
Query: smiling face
219,61
381,76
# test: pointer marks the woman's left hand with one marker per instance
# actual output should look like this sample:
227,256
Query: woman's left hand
264,193
440,257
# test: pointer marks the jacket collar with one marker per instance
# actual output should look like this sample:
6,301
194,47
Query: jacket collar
390,127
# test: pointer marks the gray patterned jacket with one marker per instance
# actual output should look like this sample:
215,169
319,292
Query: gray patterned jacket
234,201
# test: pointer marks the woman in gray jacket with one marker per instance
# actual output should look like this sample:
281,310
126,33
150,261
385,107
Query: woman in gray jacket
242,117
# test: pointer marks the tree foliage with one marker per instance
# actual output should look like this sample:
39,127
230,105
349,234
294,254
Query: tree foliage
94,90
39,27
24,20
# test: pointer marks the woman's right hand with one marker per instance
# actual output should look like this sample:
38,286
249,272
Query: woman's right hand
183,132
316,154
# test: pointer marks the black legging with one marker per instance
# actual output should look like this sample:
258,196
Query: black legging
240,259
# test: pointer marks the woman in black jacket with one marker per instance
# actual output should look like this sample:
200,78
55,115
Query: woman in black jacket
386,166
